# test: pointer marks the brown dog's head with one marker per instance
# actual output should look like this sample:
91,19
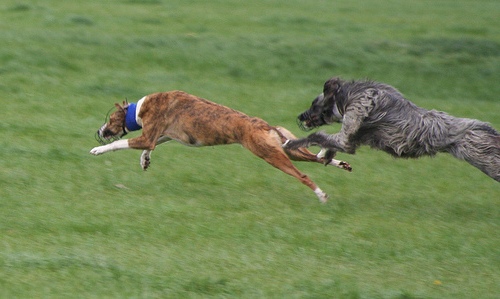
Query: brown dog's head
114,127
322,110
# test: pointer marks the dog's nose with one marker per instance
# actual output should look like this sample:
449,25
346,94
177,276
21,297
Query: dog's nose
107,133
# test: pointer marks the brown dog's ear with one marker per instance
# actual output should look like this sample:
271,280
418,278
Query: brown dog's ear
119,107
332,86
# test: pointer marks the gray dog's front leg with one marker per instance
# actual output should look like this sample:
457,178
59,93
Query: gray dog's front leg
332,143
353,118
318,138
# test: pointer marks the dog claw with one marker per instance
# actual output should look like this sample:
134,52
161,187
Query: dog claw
145,160
96,151
145,164
339,164
346,166
322,196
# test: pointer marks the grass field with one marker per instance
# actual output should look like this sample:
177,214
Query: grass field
218,222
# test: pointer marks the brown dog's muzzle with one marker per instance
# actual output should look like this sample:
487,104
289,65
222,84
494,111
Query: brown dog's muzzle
105,136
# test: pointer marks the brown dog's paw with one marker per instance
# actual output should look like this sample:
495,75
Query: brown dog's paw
345,166
146,164
145,160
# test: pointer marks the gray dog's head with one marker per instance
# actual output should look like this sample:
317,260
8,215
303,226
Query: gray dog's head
323,110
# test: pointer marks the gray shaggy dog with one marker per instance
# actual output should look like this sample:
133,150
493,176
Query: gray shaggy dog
378,115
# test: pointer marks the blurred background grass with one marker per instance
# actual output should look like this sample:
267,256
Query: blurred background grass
219,222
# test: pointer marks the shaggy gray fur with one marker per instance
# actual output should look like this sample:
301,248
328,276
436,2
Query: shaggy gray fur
378,115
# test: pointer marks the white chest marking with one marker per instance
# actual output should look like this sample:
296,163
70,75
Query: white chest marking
137,110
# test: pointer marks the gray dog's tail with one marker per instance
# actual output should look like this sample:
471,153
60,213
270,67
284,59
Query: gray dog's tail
481,148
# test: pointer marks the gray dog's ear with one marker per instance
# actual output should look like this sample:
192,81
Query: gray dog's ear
332,86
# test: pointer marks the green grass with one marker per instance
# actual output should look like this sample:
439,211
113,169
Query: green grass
218,222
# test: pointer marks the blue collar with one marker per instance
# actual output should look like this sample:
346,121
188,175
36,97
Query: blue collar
130,119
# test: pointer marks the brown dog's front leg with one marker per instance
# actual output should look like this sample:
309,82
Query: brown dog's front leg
135,143
142,143
146,154
114,146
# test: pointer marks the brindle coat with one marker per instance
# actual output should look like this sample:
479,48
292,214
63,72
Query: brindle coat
378,115
194,121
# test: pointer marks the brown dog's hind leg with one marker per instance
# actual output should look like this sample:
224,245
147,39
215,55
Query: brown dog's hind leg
272,153
303,154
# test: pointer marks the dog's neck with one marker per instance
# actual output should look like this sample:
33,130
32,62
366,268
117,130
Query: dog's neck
337,112
340,102
132,120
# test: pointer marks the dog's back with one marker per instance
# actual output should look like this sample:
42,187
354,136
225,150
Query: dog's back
195,121
401,128
198,122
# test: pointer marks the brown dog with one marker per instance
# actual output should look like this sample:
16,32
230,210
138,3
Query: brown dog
195,121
